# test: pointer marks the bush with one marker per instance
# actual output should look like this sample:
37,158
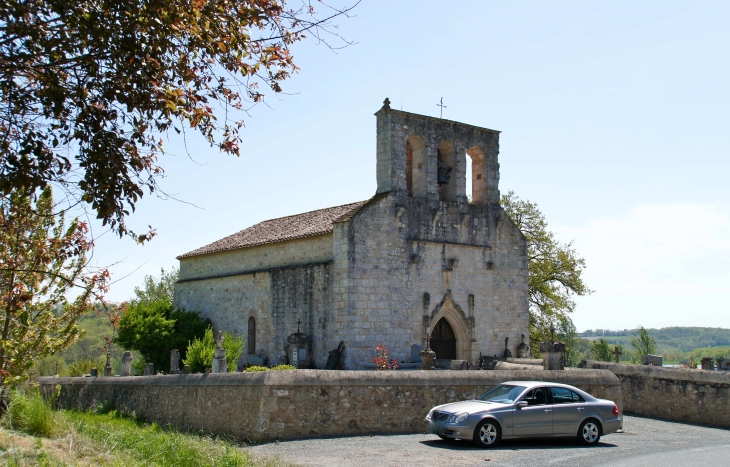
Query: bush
200,352
284,367
84,366
154,328
255,368
28,412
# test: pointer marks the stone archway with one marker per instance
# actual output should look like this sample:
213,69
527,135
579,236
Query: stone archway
457,320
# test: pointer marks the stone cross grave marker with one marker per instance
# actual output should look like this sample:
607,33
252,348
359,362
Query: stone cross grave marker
616,354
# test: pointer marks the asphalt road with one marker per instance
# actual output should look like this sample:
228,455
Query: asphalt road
644,442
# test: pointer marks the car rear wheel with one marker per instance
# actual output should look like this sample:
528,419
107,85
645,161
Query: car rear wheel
487,434
589,432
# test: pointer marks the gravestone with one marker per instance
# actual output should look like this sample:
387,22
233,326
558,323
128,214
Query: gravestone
94,372
108,366
723,364
220,363
127,363
553,355
255,360
149,369
174,362
334,359
708,363
653,360
416,353
523,350
186,370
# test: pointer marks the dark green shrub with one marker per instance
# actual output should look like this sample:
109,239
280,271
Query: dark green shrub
154,328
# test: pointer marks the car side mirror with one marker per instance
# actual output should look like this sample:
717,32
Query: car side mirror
522,404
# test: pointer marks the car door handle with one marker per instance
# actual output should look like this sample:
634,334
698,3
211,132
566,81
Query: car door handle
581,408
548,410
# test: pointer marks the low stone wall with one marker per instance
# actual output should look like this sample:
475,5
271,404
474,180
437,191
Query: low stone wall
302,403
695,396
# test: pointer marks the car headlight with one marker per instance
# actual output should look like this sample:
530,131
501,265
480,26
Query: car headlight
458,417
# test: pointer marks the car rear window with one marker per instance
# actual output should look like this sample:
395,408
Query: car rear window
565,396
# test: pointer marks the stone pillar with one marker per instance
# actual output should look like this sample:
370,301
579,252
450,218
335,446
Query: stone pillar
174,362
553,355
427,357
708,363
127,363
149,369
220,363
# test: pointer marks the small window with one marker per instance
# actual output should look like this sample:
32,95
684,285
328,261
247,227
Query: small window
251,336
537,396
565,396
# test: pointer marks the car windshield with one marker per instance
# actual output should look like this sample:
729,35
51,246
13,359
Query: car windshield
502,394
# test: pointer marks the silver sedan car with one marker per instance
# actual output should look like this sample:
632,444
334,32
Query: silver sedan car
523,409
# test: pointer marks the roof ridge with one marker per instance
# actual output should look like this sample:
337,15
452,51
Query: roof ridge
305,212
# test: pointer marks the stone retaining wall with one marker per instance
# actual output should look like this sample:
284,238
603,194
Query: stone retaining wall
695,396
303,403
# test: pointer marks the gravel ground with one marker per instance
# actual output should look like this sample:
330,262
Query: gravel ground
644,442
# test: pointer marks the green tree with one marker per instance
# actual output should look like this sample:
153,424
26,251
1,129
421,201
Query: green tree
89,89
158,289
554,270
41,261
154,328
200,352
643,344
601,350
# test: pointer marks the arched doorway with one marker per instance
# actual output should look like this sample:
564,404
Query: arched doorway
443,340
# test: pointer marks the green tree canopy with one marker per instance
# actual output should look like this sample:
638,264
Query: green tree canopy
601,350
158,289
41,261
643,344
154,328
90,89
554,270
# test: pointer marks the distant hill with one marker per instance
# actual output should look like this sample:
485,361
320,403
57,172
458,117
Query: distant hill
673,339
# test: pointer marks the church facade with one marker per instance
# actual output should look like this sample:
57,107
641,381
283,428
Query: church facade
419,260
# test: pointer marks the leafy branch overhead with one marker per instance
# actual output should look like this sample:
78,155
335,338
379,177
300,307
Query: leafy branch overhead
88,89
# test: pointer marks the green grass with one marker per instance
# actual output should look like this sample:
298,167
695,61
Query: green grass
29,413
109,439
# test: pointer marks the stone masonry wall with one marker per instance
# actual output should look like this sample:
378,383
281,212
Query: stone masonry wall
275,298
257,258
280,405
399,248
695,396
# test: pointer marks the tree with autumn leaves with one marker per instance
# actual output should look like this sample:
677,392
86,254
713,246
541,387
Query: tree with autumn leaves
89,89
42,261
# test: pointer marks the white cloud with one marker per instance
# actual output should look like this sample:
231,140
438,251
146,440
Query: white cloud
658,265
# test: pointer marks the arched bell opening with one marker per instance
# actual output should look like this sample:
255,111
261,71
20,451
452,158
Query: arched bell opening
416,180
478,176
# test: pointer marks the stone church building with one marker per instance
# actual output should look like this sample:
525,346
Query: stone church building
418,260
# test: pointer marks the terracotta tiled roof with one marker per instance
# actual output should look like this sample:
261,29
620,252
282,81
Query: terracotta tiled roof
303,225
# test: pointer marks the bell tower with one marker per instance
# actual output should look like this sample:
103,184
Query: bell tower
426,157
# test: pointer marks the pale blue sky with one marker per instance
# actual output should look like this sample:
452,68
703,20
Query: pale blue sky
614,120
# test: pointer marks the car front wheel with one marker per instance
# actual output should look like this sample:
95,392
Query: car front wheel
589,432
487,434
